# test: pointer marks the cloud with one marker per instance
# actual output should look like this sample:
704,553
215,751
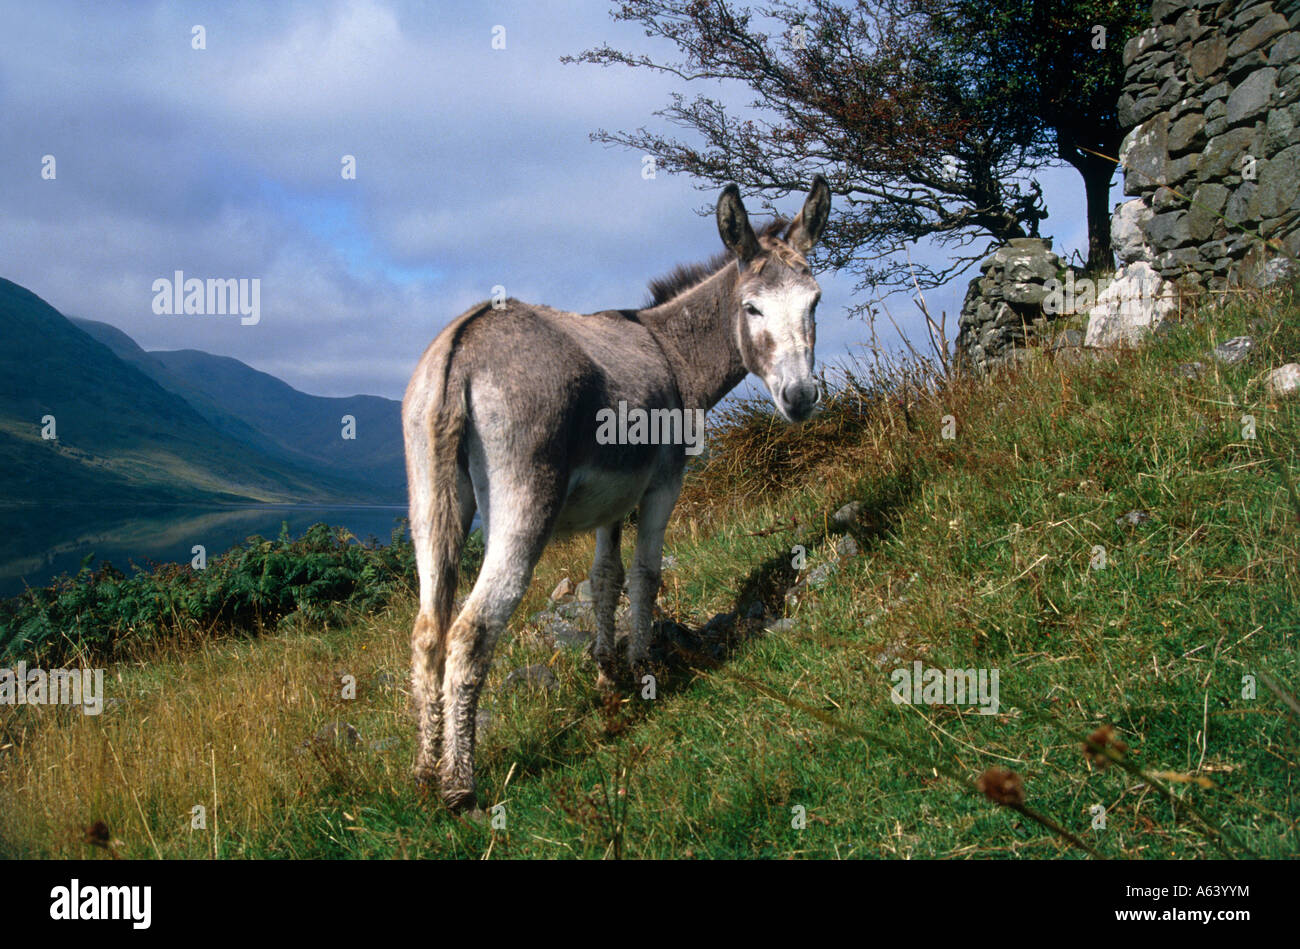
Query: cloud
474,169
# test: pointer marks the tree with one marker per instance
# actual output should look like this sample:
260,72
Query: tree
1063,60
913,125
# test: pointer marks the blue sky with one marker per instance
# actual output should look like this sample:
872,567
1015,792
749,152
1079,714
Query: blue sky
474,168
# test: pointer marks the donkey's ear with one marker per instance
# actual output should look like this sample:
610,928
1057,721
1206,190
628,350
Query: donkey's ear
807,227
733,226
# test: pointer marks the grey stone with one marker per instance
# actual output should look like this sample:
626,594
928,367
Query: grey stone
1252,95
1233,351
1275,272
1203,215
1208,56
1133,519
584,592
846,547
819,575
1136,302
1279,184
1259,33
1283,382
1127,231
1190,370
534,677
1144,155
1223,154
1285,51
1188,132
1279,131
336,734
846,515
1168,230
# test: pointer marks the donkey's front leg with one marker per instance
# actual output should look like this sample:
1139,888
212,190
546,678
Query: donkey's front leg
606,585
643,578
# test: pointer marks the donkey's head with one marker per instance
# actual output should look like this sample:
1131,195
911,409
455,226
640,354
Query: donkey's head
777,298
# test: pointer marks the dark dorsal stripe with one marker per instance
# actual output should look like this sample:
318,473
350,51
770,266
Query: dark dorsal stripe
684,276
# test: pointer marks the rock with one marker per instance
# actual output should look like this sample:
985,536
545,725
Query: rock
1259,33
1191,370
335,734
1283,382
1223,154
846,515
563,590
1203,215
846,547
1208,56
819,575
780,625
1133,518
1234,350
1128,231
1188,132
1070,339
1144,154
1252,95
1279,184
535,677
1169,230
584,592
482,721
1137,301
668,563
560,631
1285,51
1277,271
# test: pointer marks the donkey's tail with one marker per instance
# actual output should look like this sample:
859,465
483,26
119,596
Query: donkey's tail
447,533
434,417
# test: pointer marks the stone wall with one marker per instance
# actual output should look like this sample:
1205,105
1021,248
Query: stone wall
1212,98
1004,304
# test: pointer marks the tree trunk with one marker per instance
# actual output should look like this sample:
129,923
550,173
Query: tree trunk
1097,173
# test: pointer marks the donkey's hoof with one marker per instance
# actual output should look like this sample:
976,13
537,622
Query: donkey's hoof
460,800
426,781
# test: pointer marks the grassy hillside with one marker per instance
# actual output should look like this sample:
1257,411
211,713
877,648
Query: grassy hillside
120,436
781,739
260,410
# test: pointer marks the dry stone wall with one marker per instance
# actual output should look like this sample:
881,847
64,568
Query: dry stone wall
1212,101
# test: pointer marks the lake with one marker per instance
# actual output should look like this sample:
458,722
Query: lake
39,542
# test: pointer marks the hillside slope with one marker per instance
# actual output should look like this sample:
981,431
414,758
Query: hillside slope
1117,537
120,435
261,410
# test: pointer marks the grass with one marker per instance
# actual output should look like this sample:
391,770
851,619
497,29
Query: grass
976,551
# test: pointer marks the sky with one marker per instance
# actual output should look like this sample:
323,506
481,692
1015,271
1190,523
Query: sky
474,169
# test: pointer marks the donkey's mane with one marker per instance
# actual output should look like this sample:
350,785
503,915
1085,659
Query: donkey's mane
684,276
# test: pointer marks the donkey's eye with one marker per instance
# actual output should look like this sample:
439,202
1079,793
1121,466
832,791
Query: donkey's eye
752,310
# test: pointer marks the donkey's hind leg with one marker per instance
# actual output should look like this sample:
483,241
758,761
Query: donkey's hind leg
606,585
513,549
428,642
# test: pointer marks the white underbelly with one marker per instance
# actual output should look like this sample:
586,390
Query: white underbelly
596,497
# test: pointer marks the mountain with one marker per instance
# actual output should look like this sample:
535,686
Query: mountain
260,410
121,435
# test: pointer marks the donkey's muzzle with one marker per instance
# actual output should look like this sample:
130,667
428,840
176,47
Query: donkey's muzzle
799,399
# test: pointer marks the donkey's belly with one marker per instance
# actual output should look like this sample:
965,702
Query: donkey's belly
596,497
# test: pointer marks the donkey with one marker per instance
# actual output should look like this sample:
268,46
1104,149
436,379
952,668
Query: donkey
501,417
